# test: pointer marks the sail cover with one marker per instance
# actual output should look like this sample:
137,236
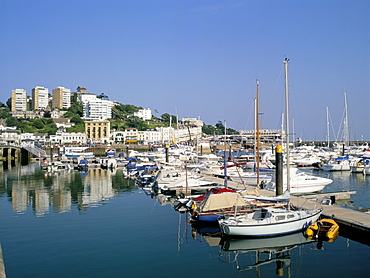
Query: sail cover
222,201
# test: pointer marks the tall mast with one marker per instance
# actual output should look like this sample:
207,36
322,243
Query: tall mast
346,139
327,126
258,157
286,62
225,168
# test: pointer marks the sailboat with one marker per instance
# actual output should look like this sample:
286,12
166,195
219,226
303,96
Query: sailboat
271,221
255,178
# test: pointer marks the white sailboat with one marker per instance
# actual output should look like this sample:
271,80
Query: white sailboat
271,221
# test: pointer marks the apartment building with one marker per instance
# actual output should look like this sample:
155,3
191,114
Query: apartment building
19,100
40,98
144,114
61,98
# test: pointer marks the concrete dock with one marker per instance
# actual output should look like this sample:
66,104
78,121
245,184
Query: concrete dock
2,266
353,224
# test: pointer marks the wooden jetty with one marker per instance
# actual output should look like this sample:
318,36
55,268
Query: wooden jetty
353,224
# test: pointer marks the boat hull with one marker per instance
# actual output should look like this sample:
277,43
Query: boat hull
266,227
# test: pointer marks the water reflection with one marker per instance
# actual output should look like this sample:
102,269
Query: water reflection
28,187
271,255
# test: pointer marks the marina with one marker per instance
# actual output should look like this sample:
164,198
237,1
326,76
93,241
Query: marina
102,224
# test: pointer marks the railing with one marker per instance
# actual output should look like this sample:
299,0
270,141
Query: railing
35,150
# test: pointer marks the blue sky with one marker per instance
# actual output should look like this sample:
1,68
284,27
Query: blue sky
199,58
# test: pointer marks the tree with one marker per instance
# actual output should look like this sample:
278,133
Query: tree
9,103
76,119
11,121
102,96
136,122
168,118
76,108
38,123
4,113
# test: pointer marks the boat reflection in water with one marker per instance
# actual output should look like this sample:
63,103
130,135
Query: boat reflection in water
267,251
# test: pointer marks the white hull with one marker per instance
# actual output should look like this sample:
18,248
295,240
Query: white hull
250,178
275,222
335,167
301,182
71,155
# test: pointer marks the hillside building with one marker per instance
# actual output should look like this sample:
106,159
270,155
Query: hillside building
97,131
19,100
40,98
61,98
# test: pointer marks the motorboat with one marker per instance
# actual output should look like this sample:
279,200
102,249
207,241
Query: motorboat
76,152
338,164
251,178
300,182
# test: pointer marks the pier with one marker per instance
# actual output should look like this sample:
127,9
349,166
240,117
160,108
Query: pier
353,224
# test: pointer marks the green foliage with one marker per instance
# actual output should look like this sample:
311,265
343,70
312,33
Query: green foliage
80,127
168,118
76,119
125,109
102,96
136,122
49,129
11,121
75,109
38,123
218,129
9,103
4,113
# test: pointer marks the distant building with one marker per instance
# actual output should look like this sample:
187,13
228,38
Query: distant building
97,131
28,114
40,98
19,100
81,90
85,97
95,109
61,98
10,137
192,121
145,114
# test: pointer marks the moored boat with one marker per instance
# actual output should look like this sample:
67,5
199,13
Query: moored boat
326,229
267,222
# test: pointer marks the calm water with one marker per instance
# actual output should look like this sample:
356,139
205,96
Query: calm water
98,224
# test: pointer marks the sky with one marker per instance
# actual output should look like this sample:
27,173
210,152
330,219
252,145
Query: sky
200,58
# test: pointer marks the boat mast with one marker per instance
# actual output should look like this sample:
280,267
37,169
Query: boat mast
258,157
225,147
327,126
287,135
346,139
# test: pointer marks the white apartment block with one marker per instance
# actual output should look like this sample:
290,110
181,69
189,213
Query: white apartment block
85,97
40,98
192,121
97,110
144,114
61,98
19,100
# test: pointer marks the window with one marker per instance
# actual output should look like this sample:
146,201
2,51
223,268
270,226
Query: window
280,217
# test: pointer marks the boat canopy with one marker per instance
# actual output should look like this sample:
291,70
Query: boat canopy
222,201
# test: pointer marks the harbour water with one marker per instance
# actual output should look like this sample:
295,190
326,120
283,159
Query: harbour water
98,224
